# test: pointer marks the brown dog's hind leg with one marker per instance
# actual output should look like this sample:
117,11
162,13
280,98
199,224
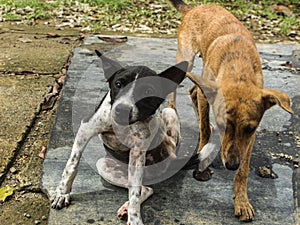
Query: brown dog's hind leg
184,53
172,100
201,107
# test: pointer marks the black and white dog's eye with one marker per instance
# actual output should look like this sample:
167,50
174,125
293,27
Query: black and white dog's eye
149,92
118,84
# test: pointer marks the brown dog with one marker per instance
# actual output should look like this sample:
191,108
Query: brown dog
232,82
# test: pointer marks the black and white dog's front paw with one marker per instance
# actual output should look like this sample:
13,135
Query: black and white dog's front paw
58,201
134,220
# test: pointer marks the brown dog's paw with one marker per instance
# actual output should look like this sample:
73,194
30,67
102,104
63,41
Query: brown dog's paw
204,175
244,210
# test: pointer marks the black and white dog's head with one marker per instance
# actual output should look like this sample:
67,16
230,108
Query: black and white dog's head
136,91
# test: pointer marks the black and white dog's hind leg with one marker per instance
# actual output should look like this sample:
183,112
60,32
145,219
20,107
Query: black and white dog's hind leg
98,123
116,173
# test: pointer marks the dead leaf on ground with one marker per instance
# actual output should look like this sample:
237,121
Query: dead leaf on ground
281,10
43,152
25,40
5,192
56,88
97,16
49,102
61,80
52,35
287,64
266,172
114,40
66,41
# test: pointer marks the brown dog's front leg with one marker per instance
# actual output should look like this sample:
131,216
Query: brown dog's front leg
242,206
136,165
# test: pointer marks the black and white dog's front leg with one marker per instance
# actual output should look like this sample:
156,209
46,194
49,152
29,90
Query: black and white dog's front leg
98,123
136,165
61,198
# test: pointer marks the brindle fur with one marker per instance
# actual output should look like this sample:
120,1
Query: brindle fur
232,82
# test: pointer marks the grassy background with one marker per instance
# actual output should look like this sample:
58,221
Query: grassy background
158,15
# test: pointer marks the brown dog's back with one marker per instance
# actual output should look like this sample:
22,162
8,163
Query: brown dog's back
219,38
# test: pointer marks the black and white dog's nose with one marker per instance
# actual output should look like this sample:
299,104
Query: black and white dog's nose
123,114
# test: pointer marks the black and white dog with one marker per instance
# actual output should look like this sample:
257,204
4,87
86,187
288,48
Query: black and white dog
132,129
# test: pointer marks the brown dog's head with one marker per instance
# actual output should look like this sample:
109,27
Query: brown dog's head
238,109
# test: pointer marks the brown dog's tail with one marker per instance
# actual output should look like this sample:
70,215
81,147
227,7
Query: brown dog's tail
181,6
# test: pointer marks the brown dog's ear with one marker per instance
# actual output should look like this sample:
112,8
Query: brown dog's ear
209,87
273,97
109,66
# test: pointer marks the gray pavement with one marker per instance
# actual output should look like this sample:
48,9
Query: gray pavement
178,199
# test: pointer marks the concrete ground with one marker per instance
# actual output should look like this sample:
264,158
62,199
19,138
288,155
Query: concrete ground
32,68
178,198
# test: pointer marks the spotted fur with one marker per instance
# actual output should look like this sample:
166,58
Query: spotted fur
132,129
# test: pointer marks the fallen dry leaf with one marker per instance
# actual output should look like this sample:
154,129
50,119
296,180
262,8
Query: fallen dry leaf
281,10
52,35
114,40
25,40
61,80
56,88
49,102
66,41
5,192
43,152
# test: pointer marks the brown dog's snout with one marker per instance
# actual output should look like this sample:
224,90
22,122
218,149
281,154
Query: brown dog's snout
232,160
232,165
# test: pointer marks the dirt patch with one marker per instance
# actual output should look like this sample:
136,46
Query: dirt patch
34,49
23,210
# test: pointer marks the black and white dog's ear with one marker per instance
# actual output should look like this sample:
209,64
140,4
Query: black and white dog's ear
176,74
109,66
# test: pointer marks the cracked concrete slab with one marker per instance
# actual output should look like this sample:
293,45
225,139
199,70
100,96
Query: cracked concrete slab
23,45
25,96
178,199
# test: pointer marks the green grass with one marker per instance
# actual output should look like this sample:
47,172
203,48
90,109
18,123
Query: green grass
40,9
135,12
109,4
242,8
287,24
12,17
